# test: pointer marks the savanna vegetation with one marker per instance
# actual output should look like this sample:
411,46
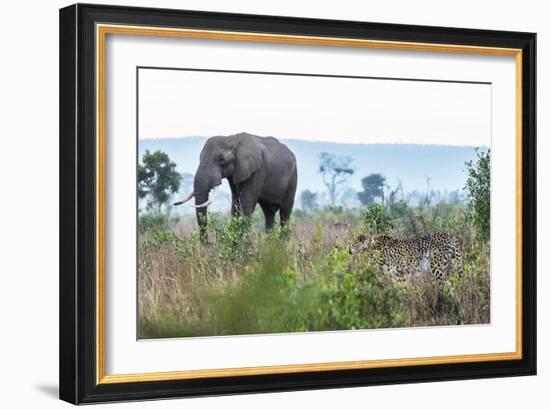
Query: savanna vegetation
303,277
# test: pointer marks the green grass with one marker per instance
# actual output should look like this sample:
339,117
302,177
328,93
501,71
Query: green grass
245,281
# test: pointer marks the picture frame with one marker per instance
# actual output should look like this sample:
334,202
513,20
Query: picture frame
83,213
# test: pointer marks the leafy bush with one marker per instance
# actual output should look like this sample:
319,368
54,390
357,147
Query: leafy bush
375,219
153,221
356,295
478,187
233,239
159,238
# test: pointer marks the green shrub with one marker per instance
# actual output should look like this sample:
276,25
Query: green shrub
158,238
152,221
478,187
234,239
355,294
375,219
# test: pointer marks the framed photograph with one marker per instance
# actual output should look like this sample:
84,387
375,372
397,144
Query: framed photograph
258,203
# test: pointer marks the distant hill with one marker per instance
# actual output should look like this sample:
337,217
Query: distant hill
412,164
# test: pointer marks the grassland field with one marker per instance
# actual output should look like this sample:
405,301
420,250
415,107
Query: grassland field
301,278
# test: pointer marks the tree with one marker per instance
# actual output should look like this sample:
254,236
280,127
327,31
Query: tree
309,200
478,189
336,170
157,179
373,187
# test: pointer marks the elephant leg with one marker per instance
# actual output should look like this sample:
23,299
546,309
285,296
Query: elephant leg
242,204
247,194
284,214
235,209
269,214
245,203
288,202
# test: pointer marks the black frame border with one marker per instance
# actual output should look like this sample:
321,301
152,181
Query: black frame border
78,197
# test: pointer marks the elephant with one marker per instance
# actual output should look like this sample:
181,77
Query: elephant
260,170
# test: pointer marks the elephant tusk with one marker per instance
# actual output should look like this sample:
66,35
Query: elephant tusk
185,199
209,201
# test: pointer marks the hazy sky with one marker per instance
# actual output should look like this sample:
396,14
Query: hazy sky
175,103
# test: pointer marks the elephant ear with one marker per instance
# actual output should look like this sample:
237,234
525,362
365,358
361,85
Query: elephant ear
248,157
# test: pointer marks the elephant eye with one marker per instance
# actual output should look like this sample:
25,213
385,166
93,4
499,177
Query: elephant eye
224,159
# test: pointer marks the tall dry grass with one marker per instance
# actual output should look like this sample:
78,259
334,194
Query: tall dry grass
303,279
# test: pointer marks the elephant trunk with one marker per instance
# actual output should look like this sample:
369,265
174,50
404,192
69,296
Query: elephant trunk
202,220
203,183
